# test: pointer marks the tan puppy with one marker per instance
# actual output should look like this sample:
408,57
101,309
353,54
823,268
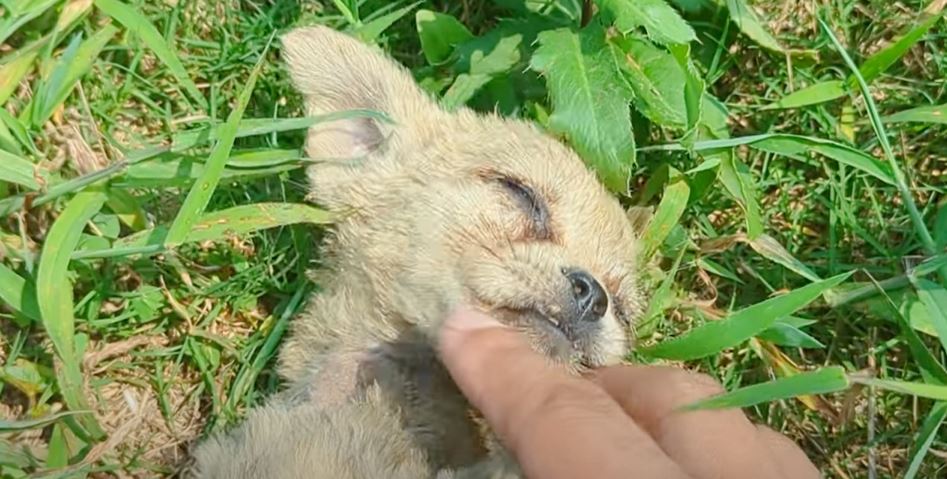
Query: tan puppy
436,209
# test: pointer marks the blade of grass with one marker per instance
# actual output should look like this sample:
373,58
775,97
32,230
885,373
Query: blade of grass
738,181
716,336
925,437
199,195
15,20
820,92
8,426
930,391
14,69
18,293
822,381
14,169
920,228
136,23
934,298
921,114
54,296
669,211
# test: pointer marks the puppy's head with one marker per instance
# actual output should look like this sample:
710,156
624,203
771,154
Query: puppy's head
446,207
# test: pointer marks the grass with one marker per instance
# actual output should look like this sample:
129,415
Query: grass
174,333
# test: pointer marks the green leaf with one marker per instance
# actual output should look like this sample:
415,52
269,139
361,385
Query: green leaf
14,169
22,425
369,31
738,181
669,212
770,249
662,23
202,190
657,80
235,221
749,23
138,24
18,293
439,34
931,391
54,296
479,61
878,63
590,100
694,96
716,336
811,95
931,369
925,437
14,69
23,14
788,335
934,298
69,69
796,146
822,381
922,114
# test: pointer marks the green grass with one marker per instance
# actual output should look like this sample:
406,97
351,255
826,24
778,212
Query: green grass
113,145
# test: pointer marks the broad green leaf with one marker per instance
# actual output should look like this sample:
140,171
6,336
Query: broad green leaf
669,212
822,381
931,391
784,334
370,31
922,114
657,80
590,100
439,34
479,61
934,298
662,23
693,91
925,437
749,23
200,193
18,293
716,336
796,146
464,88
235,221
770,249
128,209
931,368
138,24
14,69
14,169
71,67
22,425
54,296
738,181
811,95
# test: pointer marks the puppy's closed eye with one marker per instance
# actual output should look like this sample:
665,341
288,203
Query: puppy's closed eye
531,203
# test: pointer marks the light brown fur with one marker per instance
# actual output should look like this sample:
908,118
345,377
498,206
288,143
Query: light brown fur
428,220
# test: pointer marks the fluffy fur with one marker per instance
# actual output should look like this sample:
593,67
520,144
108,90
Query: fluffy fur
436,208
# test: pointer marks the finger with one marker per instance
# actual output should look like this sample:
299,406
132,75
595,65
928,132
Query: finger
788,456
556,425
707,444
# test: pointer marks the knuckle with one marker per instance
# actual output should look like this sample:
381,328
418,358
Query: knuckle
691,386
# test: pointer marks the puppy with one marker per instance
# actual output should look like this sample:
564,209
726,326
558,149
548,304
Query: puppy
435,209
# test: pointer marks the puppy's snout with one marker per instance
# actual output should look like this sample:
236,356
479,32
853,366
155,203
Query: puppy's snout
591,301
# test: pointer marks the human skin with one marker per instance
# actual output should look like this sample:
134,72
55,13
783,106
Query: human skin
620,421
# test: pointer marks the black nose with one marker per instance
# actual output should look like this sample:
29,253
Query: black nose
590,299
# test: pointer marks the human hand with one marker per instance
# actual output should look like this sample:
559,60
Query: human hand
621,422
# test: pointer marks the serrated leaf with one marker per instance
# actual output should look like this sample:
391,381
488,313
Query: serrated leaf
716,336
921,114
749,23
439,34
590,100
54,296
822,381
657,80
138,24
662,23
814,94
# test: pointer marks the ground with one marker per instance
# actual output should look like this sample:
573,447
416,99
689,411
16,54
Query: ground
177,344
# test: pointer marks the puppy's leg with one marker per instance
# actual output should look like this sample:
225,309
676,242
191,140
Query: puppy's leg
359,439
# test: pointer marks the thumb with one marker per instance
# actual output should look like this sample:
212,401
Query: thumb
556,424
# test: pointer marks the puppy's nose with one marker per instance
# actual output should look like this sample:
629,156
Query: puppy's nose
590,298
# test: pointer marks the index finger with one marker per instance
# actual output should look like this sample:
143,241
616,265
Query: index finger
557,425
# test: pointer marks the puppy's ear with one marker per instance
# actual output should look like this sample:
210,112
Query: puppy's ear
336,72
